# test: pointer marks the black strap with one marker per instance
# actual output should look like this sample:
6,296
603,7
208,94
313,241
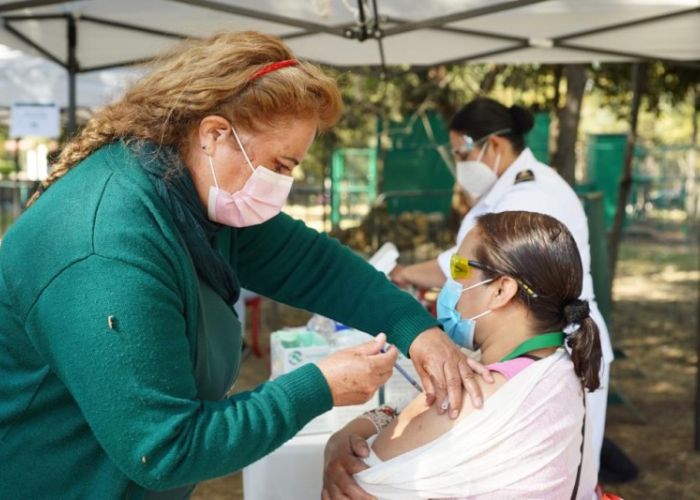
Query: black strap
583,440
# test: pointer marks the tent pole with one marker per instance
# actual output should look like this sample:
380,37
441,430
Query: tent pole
72,73
697,363
696,222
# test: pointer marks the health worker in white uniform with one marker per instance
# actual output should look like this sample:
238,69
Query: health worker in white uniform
499,174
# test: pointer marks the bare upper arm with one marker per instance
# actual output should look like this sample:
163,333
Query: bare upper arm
419,424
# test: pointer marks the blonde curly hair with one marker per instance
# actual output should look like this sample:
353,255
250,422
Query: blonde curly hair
204,77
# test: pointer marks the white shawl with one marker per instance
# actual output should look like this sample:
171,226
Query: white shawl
524,443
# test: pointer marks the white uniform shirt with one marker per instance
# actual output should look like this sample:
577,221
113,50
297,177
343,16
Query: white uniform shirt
547,194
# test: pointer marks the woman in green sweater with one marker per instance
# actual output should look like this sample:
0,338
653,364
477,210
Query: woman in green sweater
118,341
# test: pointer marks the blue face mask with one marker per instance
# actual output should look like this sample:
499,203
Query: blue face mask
460,330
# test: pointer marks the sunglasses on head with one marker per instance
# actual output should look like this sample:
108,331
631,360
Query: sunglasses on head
461,268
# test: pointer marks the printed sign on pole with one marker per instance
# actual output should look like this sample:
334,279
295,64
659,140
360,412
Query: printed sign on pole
35,119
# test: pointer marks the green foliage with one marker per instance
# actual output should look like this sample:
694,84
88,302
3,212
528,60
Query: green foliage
661,82
7,164
6,167
368,98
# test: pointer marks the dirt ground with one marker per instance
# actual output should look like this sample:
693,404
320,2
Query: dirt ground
655,325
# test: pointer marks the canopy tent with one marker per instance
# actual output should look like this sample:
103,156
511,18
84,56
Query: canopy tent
89,35
349,33
25,78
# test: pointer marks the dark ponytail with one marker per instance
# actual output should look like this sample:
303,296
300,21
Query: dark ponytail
484,116
584,344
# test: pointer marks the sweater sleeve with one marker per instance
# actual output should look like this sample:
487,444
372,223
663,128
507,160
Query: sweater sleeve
119,346
289,262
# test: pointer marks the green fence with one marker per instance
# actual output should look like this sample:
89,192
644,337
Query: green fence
664,180
353,184
416,172
538,138
605,158
594,205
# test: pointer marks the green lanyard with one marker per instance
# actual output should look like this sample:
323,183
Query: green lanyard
551,339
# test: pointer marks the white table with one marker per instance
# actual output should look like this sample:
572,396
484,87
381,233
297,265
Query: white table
295,470
292,472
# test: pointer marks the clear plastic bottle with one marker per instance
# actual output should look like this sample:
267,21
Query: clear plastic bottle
323,326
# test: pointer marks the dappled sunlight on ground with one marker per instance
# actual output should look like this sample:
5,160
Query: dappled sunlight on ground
665,288
665,387
654,323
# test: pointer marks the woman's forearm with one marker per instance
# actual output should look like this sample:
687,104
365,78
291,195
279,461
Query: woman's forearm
359,426
424,274
307,277
370,422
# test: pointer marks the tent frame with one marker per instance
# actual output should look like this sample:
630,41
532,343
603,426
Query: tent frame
364,29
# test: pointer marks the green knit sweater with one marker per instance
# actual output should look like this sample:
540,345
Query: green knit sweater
98,333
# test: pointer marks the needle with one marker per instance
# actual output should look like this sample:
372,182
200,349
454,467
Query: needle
403,372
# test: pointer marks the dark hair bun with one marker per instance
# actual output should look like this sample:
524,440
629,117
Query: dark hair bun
576,311
522,118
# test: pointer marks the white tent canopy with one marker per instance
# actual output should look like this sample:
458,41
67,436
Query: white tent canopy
25,78
109,33
92,35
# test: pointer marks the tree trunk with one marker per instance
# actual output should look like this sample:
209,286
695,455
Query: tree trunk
553,109
564,158
558,74
489,81
637,80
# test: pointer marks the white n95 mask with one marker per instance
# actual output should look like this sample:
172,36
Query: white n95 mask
475,177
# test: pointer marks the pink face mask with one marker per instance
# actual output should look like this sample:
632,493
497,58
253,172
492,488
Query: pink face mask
260,199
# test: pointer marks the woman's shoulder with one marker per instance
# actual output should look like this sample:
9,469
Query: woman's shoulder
560,389
420,423
100,207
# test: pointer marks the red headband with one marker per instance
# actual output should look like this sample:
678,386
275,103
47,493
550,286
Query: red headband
274,66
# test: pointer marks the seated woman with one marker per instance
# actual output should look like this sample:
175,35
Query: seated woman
516,281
